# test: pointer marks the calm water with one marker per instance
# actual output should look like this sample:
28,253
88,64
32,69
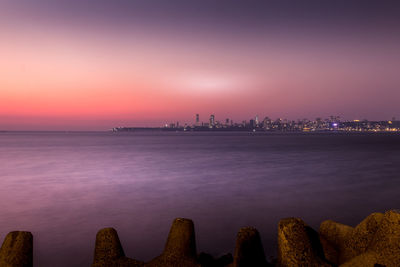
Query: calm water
63,187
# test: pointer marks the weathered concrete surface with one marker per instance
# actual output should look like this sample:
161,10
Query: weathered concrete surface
384,247
347,241
17,250
331,253
180,249
386,241
373,242
361,237
249,250
337,235
109,252
299,245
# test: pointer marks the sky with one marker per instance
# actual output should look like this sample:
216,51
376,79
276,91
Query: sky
97,64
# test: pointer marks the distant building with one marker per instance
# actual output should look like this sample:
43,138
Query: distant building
334,123
212,120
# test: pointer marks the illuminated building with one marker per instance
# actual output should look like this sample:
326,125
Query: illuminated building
212,120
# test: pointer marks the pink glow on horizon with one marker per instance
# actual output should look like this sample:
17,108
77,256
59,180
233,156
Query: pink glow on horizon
54,74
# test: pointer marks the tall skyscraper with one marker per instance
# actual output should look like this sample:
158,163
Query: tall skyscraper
197,119
212,120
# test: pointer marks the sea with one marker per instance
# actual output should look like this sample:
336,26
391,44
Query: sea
65,186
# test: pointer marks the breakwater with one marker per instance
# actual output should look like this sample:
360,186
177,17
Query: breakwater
373,242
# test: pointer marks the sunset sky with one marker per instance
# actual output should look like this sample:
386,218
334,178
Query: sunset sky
97,64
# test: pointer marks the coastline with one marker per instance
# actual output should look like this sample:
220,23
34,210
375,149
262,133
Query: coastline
375,241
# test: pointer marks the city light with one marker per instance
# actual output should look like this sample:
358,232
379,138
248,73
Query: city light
331,124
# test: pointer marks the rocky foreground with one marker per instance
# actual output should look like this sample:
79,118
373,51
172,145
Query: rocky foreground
374,242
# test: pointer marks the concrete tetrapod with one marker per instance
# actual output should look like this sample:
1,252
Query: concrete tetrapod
17,250
299,245
361,236
349,242
108,251
335,236
180,249
249,250
384,246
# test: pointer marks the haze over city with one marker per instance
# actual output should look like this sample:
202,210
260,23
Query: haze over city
94,65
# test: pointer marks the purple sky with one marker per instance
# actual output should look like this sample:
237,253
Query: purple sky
93,65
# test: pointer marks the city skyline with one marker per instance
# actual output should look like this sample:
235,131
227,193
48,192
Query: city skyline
91,65
212,118
267,124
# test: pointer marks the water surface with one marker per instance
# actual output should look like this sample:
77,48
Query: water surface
64,187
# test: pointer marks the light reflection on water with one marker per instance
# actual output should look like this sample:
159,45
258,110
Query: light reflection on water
64,187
